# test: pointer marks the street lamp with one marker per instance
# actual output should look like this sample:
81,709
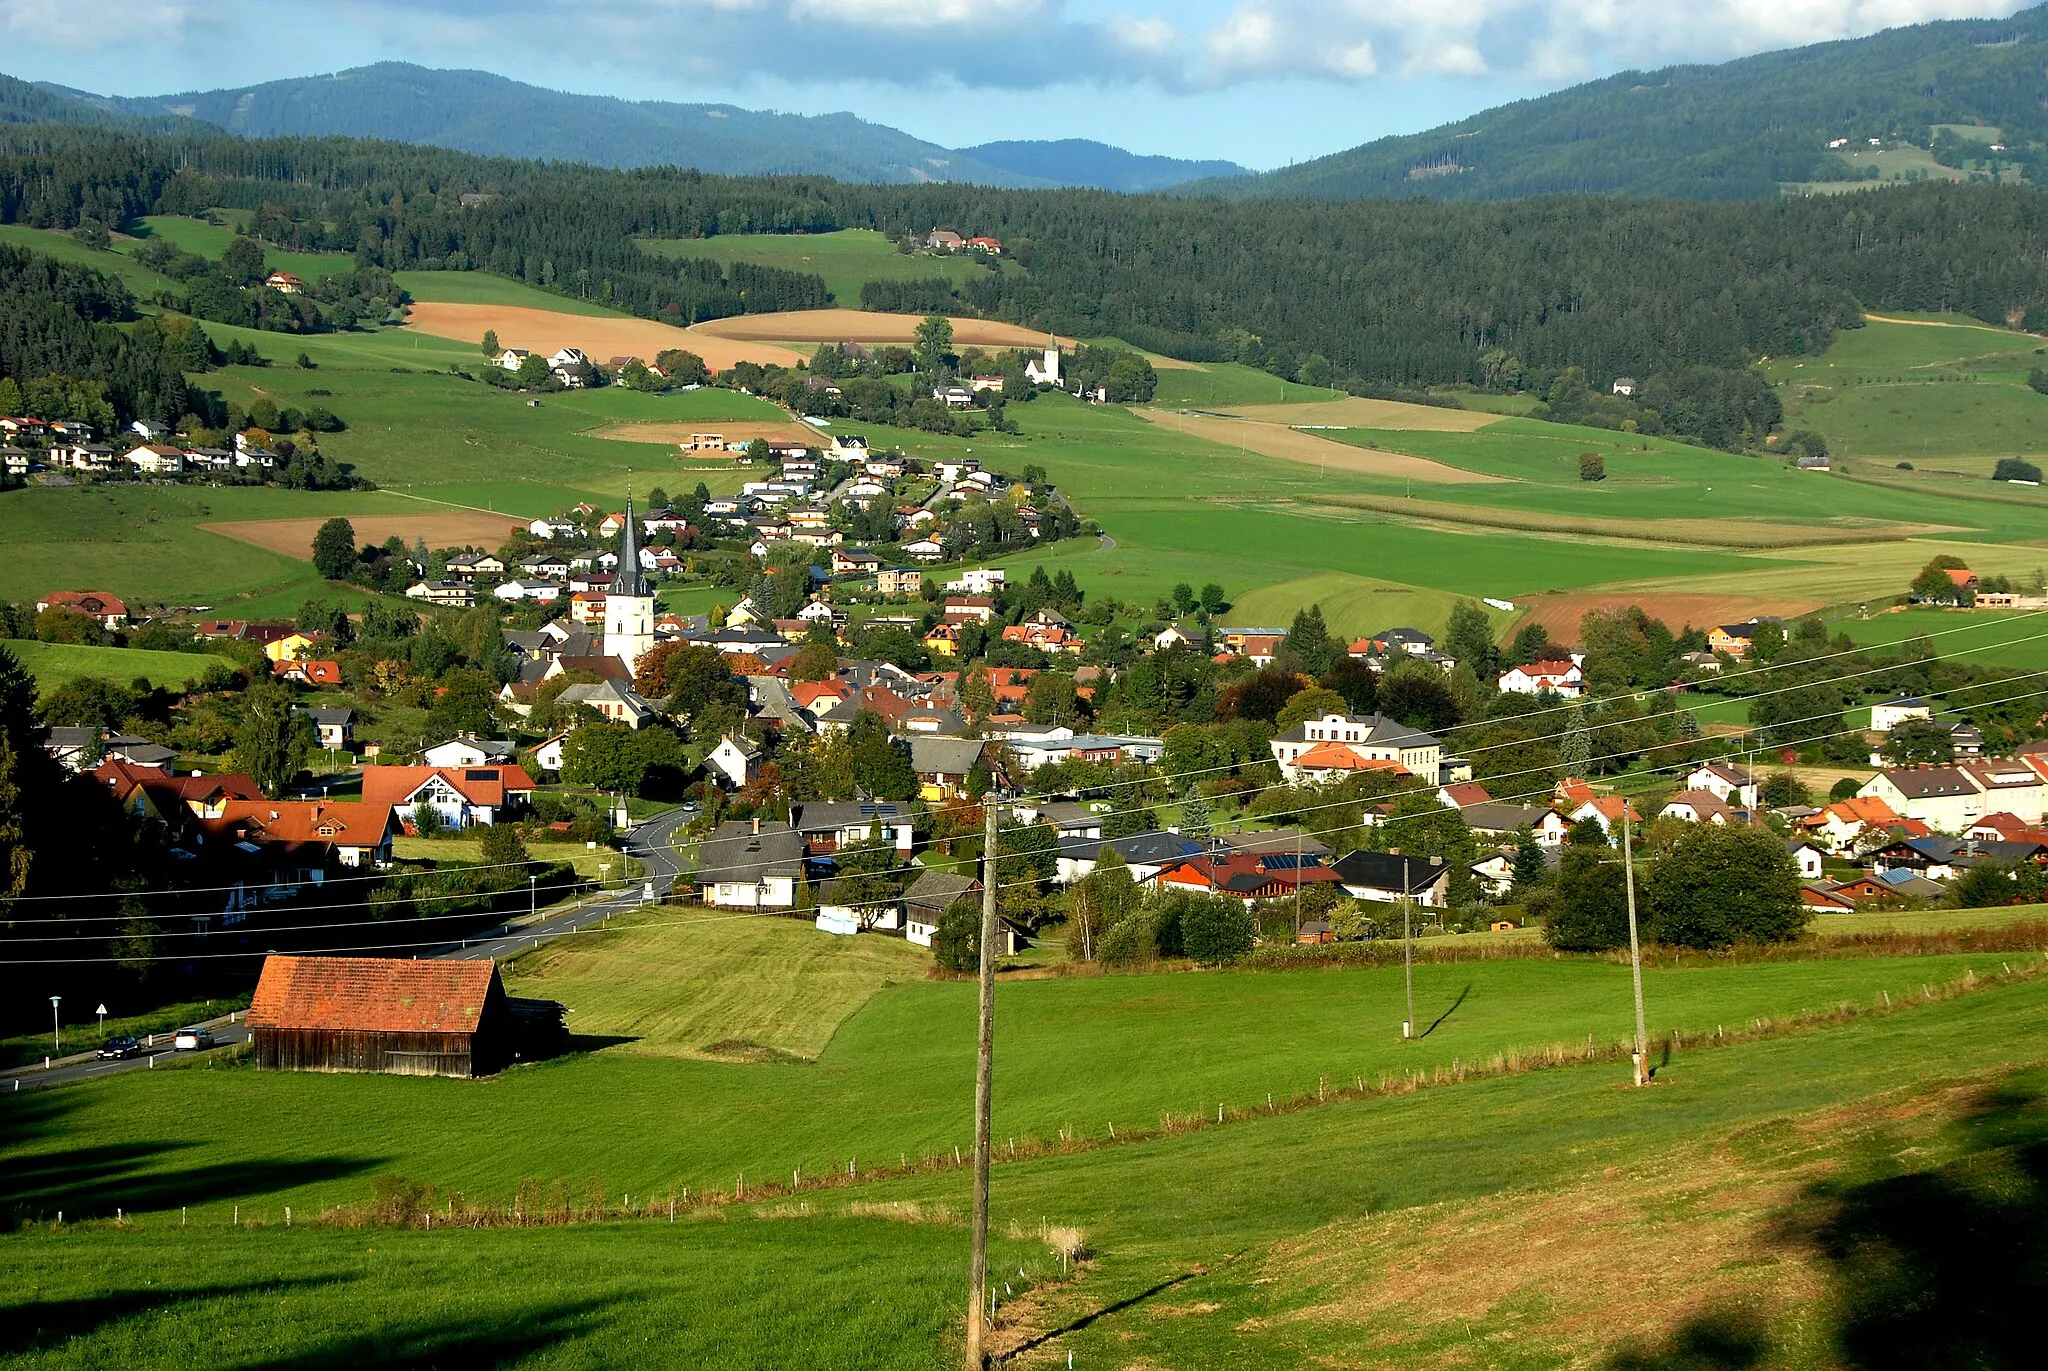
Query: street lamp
56,1031
532,896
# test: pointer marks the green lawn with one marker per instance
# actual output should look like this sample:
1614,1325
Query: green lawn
52,664
143,283
1993,637
892,1081
1200,1237
680,982
1231,383
489,288
847,259
1353,605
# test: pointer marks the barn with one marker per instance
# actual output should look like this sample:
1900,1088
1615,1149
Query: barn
412,1018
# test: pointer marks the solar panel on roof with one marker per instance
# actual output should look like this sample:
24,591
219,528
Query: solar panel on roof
480,774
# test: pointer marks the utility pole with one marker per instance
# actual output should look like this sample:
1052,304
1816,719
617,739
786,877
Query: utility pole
1407,949
1641,1056
984,1071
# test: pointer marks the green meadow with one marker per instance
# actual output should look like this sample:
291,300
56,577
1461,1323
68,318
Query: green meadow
1231,383
1199,1238
1993,637
847,259
52,664
489,288
211,240
143,283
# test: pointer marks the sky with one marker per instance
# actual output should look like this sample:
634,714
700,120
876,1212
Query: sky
1259,82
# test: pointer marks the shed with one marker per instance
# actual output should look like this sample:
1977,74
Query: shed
410,1018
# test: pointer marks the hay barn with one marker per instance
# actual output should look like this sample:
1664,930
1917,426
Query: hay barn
411,1018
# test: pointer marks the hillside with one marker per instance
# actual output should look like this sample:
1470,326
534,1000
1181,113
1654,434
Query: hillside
24,102
1742,129
1084,162
475,111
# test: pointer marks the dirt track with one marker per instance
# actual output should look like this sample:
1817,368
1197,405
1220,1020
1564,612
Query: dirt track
441,528
1356,412
1291,445
862,326
545,330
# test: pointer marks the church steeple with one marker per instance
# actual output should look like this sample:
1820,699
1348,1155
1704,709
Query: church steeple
629,580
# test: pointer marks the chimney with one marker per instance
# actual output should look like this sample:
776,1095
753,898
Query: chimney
757,825
1393,852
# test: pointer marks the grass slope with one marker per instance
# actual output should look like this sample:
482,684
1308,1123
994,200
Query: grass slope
52,664
211,240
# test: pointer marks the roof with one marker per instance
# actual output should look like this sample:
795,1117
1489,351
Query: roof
340,823
934,890
1276,840
1409,874
480,785
1704,804
1930,782
373,994
1343,757
1463,793
1374,729
944,756
830,816
1246,874
735,852
1503,818
1862,809
629,581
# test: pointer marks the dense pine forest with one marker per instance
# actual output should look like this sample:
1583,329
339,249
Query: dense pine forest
1371,293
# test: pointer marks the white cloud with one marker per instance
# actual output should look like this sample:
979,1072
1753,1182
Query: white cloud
72,26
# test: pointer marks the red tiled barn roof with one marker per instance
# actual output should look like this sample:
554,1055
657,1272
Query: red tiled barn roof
372,994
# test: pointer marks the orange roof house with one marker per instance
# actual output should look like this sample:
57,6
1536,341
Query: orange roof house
319,672
461,795
419,1018
94,604
351,833
1330,758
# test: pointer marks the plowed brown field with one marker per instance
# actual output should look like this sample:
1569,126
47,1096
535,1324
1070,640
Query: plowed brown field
545,330
1560,614
441,528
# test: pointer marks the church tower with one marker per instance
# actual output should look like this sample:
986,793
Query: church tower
628,604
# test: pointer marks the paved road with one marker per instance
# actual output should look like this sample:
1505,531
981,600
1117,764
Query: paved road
653,844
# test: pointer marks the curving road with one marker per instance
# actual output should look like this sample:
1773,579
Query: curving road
652,843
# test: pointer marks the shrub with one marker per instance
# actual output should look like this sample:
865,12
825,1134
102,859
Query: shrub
1592,467
1215,930
956,945
2016,469
1587,908
1725,885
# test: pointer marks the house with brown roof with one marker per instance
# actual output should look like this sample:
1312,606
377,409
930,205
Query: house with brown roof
461,796
405,1017
1940,796
1697,807
111,612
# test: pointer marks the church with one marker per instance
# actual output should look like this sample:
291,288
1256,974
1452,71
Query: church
628,603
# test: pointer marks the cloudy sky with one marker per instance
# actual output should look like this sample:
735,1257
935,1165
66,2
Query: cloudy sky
1262,82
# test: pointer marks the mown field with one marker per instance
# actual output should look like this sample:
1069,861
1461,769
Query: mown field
847,259
1462,1223
52,664
1993,637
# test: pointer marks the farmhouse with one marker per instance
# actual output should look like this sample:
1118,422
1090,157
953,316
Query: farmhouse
1559,678
748,864
111,612
409,1018
1371,738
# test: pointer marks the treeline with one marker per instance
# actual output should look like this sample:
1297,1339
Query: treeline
60,351
1406,294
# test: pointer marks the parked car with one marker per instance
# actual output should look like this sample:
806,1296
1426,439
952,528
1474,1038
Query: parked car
192,1040
120,1046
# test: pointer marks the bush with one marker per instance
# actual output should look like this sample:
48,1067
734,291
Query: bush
502,846
2016,469
1587,908
1215,930
1592,467
956,945
1845,789
1725,885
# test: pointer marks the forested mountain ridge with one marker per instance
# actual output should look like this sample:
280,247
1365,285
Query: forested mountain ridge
1365,294
24,102
1738,130
475,111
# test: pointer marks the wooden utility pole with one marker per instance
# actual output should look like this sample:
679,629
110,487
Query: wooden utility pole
1641,1056
984,1071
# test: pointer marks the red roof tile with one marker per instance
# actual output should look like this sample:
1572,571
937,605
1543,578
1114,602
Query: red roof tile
372,994
480,785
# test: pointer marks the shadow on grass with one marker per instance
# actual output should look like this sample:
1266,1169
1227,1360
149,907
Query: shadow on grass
592,1042
1941,1267
93,1182
41,1324
482,1343
1127,1302
1455,1005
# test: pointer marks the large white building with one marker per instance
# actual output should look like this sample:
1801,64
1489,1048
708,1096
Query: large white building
1369,738
628,603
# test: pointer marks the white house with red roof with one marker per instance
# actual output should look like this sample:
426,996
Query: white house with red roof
1558,677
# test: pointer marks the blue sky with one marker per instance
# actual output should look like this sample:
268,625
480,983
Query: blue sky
1261,82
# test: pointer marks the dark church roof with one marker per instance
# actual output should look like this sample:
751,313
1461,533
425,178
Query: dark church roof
629,581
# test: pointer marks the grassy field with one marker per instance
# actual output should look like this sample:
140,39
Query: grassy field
211,240
847,259
489,288
142,282
461,851
52,664
687,984
1229,383
1461,1215
82,1029
1993,637
1352,605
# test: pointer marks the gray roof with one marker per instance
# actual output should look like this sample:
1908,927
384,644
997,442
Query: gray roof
932,891
629,581
1498,818
1930,782
830,816
338,714
1275,840
734,852
72,736
944,756
1141,849
1376,729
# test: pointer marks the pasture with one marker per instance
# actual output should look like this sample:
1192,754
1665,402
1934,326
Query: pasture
1210,1251
52,664
1992,637
211,240
1353,606
847,259
1215,385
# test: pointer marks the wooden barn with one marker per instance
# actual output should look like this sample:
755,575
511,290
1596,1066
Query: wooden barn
413,1018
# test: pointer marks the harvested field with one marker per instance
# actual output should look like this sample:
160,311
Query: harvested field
545,330
1276,440
862,326
1723,533
441,528
680,432
1356,412
1560,614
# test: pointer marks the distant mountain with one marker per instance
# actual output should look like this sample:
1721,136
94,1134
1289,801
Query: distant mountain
1083,162
22,102
1737,130
475,111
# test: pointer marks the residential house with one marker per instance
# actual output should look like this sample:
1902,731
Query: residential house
854,561
308,835
158,459
1555,677
1606,811
927,900
891,581
944,240
1807,857
1887,715
1389,877
462,797
1249,877
751,864
109,610
284,283
1507,820
925,550
1731,784
980,581
138,751
1841,826
73,746
615,700
334,727
733,762
548,756
451,594
1372,738
1736,640
1460,795
943,766
1942,797
1088,747
469,566
1824,896
828,825
1699,807
1145,854
2008,786
471,752
293,646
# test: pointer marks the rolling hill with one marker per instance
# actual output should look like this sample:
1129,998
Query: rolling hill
475,111
1741,129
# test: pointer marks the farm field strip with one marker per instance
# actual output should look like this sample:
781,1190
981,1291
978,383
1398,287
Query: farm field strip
600,337
1308,449
813,326
1356,412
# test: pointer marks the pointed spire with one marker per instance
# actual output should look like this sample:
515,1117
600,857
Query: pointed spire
628,580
